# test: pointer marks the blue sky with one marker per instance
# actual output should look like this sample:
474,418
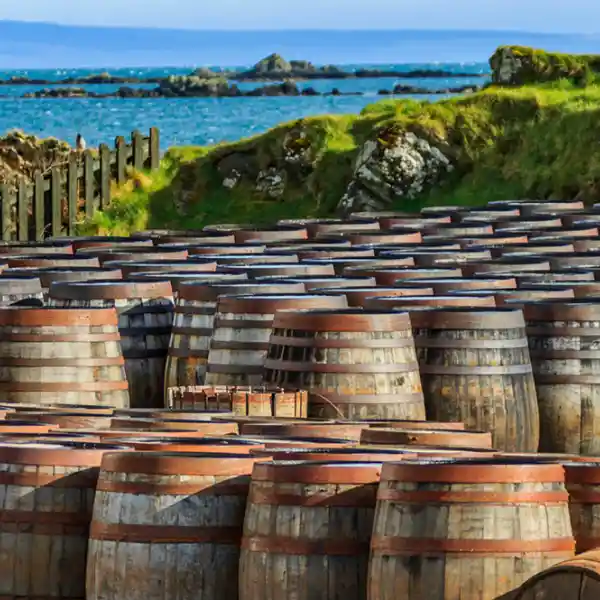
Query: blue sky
556,16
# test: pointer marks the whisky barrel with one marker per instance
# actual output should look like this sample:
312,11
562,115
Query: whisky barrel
323,251
239,259
362,266
563,346
336,502
457,230
404,235
283,270
176,278
352,454
180,515
475,368
389,277
326,227
529,223
224,445
580,289
583,484
535,247
527,277
241,332
130,268
270,234
193,325
16,288
304,429
357,296
541,207
508,265
408,303
145,311
574,579
354,363
64,420
431,539
575,260
48,493
134,254
317,282
50,260
390,219
104,241
447,438
443,286
524,294
61,356
214,250
192,237
585,230
47,247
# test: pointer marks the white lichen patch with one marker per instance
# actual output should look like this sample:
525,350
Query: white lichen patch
270,182
232,179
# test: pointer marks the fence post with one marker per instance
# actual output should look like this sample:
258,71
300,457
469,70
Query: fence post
6,195
154,149
88,183
137,143
72,177
55,198
23,203
104,176
38,205
121,150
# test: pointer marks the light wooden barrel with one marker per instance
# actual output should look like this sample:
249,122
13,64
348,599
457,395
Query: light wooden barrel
177,515
443,438
61,356
475,368
411,303
17,288
145,311
193,325
64,420
326,555
563,346
583,484
48,492
441,528
241,332
574,579
354,364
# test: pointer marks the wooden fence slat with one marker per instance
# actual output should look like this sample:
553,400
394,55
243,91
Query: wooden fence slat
137,145
88,183
7,197
56,200
23,203
121,152
38,205
154,148
105,159
72,192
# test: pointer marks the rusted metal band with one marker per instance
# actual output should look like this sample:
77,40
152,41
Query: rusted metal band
63,317
482,371
188,353
427,342
165,534
531,473
134,354
319,396
67,337
585,543
389,546
303,547
144,331
258,346
240,324
61,362
196,310
360,497
308,473
459,497
235,369
35,480
310,342
44,518
355,369
193,331
49,529
87,386
172,489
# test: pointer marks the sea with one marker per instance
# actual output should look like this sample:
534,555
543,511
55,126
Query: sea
56,54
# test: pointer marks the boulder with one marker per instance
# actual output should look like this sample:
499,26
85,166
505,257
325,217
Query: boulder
274,63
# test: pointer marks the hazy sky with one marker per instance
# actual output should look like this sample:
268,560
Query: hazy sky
523,15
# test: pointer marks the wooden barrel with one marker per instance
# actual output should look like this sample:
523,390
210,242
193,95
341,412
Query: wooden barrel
449,258
47,247
316,282
476,369
241,332
526,278
541,207
61,356
176,278
352,454
563,346
134,254
48,492
98,241
132,267
238,259
307,429
180,515
443,286
398,236
193,325
64,420
575,260
322,251
362,266
531,223
457,230
224,445
336,502
537,247
390,219
390,277
270,234
213,250
145,311
284,270
193,237
354,364
17,288
447,438
431,538
508,265
408,303
357,296
326,227
524,294
50,260
574,579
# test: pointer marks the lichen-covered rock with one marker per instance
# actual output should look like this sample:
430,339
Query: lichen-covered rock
271,182
272,63
398,165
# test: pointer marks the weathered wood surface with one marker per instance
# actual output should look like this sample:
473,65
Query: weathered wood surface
468,531
14,289
563,342
241,332
467,440
307,531
168,526
354,364
475,368
583,485
60,356
145,311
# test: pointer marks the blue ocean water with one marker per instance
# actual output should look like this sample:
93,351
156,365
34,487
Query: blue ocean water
186,121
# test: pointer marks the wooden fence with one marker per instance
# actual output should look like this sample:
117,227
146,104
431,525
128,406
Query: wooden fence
56,200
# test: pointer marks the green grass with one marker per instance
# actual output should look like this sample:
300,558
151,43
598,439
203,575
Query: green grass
526,142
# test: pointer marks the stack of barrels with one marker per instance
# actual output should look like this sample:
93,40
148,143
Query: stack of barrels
390,405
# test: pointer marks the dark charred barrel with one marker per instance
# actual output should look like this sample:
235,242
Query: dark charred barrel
475,368
241,332
193,325
430,533
354,364
566,360
61,356
145,311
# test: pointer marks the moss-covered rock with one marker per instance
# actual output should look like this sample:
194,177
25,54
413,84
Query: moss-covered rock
520,65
